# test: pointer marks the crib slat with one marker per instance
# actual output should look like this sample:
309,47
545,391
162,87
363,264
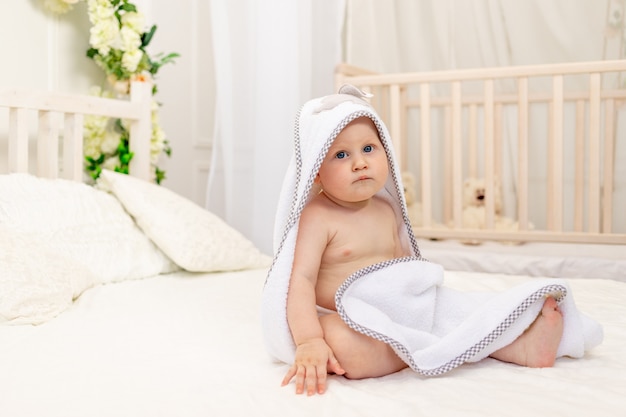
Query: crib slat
457,152
426,154
73,147
579,165
608,165
404,137
18,140
382,92
489,154
472,151
395,124
522,150
497,141
447,169
555,185
594,153
47,146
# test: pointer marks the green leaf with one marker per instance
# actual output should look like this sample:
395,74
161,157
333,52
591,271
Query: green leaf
157,64
119,127
169,58
128,7
147,36
159,175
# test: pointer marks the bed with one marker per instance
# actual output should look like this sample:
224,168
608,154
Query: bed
123,298
546,143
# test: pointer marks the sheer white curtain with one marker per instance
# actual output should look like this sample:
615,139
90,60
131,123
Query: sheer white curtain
270,57
408,35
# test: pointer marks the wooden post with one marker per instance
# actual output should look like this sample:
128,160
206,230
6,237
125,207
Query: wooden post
141,131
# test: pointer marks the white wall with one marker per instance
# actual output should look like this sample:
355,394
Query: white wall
44,51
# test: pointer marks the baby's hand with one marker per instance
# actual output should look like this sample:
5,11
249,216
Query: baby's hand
314,358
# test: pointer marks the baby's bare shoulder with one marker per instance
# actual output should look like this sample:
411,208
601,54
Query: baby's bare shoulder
312,213
383,204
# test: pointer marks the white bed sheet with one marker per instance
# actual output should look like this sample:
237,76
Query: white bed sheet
538,259
191,345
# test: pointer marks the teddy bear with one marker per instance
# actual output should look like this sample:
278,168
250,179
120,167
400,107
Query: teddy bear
473,216
414,207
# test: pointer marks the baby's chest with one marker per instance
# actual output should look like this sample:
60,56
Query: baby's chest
361,242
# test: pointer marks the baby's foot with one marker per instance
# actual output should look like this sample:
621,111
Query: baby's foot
543,336
537,346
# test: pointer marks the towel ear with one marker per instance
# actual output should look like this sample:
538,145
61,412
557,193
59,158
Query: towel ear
354,91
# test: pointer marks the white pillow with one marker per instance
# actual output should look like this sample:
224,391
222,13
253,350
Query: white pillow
193,237
87,225
36,282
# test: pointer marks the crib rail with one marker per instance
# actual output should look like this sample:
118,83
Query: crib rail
450,125
57,115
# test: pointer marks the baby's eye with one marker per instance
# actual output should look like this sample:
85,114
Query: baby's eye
368,148
341,155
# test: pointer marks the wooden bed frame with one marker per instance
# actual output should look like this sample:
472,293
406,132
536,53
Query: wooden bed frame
47,106
463,113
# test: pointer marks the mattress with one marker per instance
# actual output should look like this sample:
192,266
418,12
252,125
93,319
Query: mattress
538,259
190,344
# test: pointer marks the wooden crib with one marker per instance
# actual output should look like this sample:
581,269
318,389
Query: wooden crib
552,135
61,115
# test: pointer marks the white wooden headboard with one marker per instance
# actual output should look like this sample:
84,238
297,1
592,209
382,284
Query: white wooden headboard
67,160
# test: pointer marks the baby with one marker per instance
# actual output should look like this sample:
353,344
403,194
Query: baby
346,227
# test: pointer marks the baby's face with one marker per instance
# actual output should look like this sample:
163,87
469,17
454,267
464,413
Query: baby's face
356,166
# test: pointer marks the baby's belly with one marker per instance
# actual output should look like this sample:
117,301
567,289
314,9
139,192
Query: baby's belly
331,277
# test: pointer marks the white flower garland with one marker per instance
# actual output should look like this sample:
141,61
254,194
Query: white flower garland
118,46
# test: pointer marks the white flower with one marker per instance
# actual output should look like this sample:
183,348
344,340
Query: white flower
94,131
158,138
95,128
157,143
104,35
99,10
91,148
131,59
134,21
130,39
109,142
110,163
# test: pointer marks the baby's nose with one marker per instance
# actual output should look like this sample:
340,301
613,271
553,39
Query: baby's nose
359,164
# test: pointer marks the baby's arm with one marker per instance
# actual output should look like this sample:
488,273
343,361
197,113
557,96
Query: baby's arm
313,356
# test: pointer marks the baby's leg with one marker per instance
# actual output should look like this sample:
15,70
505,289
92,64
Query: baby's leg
361,356
537,346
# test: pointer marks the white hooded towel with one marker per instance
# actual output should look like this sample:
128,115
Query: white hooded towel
401,302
